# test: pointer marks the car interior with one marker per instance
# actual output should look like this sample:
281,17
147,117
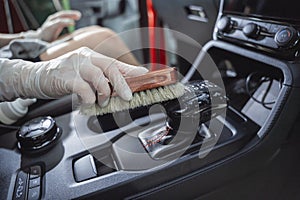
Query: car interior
239,59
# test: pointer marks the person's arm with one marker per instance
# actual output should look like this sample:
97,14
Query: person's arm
6,38
83,72
49,31
100,39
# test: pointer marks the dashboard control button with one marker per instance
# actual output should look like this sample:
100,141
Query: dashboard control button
34,182
20,186
252,30
34,193
285,37
28,184
225,24
35,171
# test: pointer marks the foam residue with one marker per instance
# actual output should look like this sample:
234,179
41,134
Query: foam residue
143,98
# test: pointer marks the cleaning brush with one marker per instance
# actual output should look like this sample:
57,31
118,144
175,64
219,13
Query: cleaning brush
153,87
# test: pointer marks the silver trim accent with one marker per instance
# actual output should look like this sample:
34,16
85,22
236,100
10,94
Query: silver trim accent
93,164
227,124
202,16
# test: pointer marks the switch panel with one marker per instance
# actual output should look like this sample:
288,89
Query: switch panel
21,186
28,184
280,39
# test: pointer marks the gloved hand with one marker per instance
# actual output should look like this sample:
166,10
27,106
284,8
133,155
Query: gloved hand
81,71
54,25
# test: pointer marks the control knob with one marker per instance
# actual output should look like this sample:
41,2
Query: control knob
225,24
38,134
252,30
286,37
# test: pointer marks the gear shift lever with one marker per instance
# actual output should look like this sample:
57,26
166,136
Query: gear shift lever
202,101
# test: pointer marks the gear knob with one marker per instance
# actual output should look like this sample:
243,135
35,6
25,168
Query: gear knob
201,101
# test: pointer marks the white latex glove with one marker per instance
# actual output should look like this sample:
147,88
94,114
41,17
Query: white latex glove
82,72
54,25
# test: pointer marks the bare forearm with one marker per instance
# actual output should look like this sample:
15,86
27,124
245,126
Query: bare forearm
6,38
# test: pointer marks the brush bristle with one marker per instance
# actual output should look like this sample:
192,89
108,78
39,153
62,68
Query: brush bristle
143,98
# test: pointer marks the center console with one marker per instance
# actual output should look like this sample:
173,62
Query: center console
143,152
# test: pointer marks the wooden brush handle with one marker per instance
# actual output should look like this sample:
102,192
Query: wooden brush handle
152,79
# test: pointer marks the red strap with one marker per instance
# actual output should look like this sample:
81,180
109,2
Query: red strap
156,39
